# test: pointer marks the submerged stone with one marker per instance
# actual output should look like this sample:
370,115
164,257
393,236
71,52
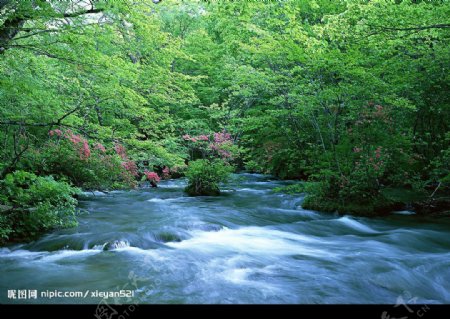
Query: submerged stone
193,191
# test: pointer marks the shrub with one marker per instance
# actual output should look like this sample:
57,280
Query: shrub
293,189
328,195
204,177
219,145
5,226
152,177
32,205
85,164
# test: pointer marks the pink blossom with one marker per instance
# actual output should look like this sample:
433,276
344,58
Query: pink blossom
58,132
152,176
221,137
130,167
219,143
100,147
225,154
203,138
221,140
84,151
75,139
357,149
120,150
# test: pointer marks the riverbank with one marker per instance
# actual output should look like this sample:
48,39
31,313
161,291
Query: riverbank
432,207
386,201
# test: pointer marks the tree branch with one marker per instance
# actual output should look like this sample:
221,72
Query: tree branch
54,123
17,155
419,28
80,13
8,31
13,25
34,33
435,189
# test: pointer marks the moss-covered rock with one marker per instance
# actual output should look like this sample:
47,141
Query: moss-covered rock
376,208
200,190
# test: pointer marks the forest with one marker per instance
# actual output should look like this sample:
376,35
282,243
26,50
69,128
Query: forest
350,99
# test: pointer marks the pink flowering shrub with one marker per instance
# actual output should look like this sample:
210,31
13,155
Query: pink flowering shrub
374,163
152,176
130,167
84,151
75,139
89,165
218,145
222,144
368,157
100,147
202,138
166,172
80,144
210,164
120,150
56,132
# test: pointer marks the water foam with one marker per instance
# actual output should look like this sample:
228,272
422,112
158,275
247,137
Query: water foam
354,224
252,241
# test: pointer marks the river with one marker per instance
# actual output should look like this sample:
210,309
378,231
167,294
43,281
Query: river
249,245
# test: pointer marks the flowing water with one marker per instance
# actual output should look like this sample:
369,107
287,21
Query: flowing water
249,245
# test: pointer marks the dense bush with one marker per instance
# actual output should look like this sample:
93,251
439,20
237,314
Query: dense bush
211,156
219,145
86,164
31,205
322,196
204,177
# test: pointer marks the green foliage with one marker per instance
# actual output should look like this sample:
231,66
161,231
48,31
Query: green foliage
343,94
5,227
33,204
440,169
293,189
402,195
169,154
327,196
99,171
204,177
351,96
